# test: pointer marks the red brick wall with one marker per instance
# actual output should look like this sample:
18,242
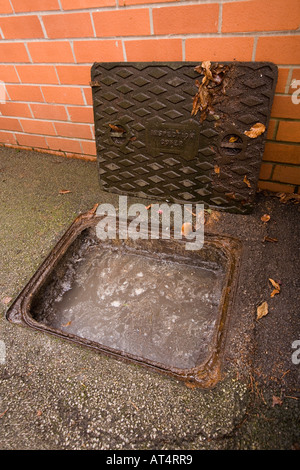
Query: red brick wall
47,48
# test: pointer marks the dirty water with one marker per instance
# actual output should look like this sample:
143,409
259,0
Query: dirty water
163,309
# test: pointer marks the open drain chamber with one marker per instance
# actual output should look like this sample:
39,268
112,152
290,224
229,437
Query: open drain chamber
151,302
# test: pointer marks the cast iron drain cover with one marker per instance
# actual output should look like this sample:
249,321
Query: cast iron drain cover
156,304
149,144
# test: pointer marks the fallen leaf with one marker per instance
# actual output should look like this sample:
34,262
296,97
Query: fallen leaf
276,401
256,130
265,218
217,169
262,310
274,292
233,139
116,128
64,191
270,239
186,229
67,324
39,413
245,180
274,284
6,300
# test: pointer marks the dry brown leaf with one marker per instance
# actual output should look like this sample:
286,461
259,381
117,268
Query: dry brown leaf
116,128
67,324
186,229
265,218
64,191
274,292
270,239
262,310
274,284
256,130
233,139
6,300
245,180
217,169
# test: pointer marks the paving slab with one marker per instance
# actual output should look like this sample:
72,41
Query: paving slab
55,395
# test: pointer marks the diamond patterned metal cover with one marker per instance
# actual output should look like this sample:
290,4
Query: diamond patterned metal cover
150,145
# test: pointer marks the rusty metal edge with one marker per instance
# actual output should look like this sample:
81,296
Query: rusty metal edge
205,375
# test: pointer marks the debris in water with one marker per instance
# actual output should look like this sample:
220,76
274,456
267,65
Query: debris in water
256,130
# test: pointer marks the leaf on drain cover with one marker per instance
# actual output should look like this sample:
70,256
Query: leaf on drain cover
217,169
233,139
245,180
262,310
64,191
256,130
116,128
265,218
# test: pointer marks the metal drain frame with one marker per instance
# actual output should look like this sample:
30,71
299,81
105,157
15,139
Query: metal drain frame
206,375
147,100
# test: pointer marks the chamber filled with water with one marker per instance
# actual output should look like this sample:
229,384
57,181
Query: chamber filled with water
149,299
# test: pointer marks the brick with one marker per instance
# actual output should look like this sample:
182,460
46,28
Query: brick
88,96
32,126
265,171
74,74
35,5
68,25
276,187
98,51
283,153
186,19
8,74
79,131
123,3
296,87
19,27
283,107
62,94
89,148
49,111
9,124
81,114
77,4
272,128
7,138
288,131
64,145
278,49
287,174
29,140
29,93
15,109
52,51
154,50
13,52
282,80
122,22
5,7
260,15
223,49
37,74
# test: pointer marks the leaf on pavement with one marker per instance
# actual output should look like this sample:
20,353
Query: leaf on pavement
64,191
265,218
262,310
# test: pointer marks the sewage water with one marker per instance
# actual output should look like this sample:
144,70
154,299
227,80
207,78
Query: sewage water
161,310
